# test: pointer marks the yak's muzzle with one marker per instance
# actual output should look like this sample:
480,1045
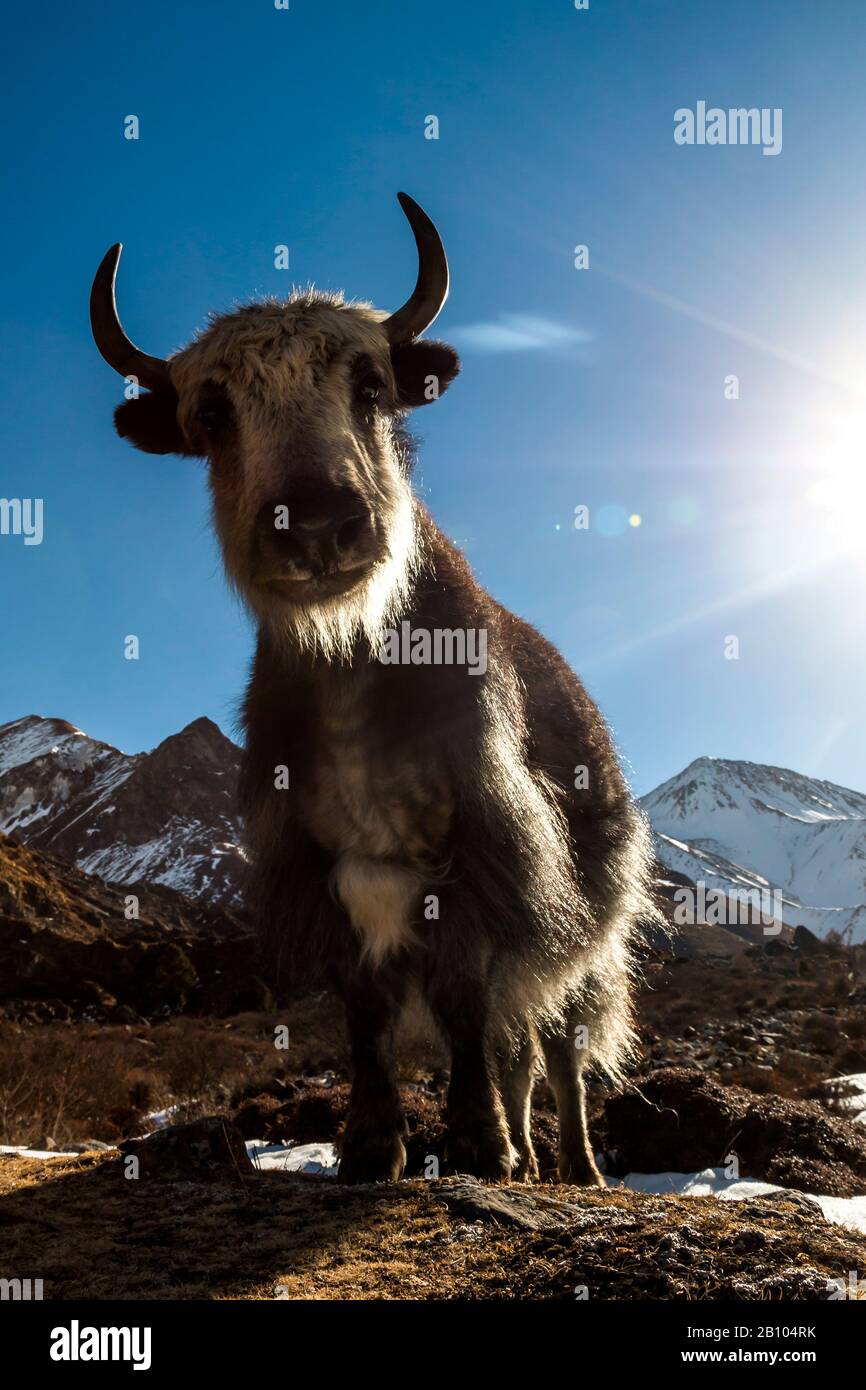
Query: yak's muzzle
327,536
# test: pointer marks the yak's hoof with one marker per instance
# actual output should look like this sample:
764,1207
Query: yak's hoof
526,1167
487,1155
371,1158
580,1170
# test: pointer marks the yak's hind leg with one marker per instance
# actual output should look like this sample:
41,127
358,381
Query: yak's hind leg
596,1028
518,1076
565,1065
372,1148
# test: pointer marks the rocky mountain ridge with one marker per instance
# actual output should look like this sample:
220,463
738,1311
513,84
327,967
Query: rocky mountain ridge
165,817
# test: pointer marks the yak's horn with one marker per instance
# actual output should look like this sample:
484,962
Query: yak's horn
431,290
108,333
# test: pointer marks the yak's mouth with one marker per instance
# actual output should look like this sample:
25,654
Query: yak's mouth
316,589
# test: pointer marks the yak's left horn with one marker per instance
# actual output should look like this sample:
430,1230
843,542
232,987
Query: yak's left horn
431,289
108,334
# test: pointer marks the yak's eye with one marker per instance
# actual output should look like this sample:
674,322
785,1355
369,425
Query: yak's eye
369,388
214,410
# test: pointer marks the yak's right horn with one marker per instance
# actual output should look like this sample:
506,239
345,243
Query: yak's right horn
108,334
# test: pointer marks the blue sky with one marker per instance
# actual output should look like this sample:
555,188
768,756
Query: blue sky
602,388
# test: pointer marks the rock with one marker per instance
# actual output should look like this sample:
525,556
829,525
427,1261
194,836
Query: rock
776,948
206,1149
505,1206
755,1208
124,1014
807,942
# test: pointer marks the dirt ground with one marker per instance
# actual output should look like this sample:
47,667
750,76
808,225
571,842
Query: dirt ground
89,1232
735,1053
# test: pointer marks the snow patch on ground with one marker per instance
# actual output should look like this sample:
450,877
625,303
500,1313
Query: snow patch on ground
849,1094
36,1153
712,1182
160,1118
294,1158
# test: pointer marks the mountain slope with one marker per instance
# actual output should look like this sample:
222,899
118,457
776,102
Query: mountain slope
166,817
739,825
67,942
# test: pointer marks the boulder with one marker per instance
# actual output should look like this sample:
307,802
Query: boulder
208,1149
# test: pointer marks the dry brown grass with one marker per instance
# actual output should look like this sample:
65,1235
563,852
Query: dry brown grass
76,1081
89,1233
81,1081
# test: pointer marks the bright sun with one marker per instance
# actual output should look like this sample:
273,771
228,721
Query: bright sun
838,491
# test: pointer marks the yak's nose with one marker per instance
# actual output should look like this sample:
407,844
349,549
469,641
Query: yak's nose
318,533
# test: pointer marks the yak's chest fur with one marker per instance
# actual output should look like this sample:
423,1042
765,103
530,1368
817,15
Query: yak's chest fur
382,806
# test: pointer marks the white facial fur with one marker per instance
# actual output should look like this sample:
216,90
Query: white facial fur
286,368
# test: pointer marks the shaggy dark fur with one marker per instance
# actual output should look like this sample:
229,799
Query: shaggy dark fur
465,840
518,949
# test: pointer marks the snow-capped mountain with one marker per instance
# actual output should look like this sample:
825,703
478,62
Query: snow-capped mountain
168,816
738,825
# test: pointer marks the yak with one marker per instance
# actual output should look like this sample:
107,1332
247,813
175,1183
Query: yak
418,832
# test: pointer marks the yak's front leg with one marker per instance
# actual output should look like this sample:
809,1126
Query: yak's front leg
477,1133
372,1149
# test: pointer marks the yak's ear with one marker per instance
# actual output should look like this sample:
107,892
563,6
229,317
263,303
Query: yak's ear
150,423
423,370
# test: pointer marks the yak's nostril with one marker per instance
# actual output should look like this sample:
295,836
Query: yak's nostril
350,532
325,531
